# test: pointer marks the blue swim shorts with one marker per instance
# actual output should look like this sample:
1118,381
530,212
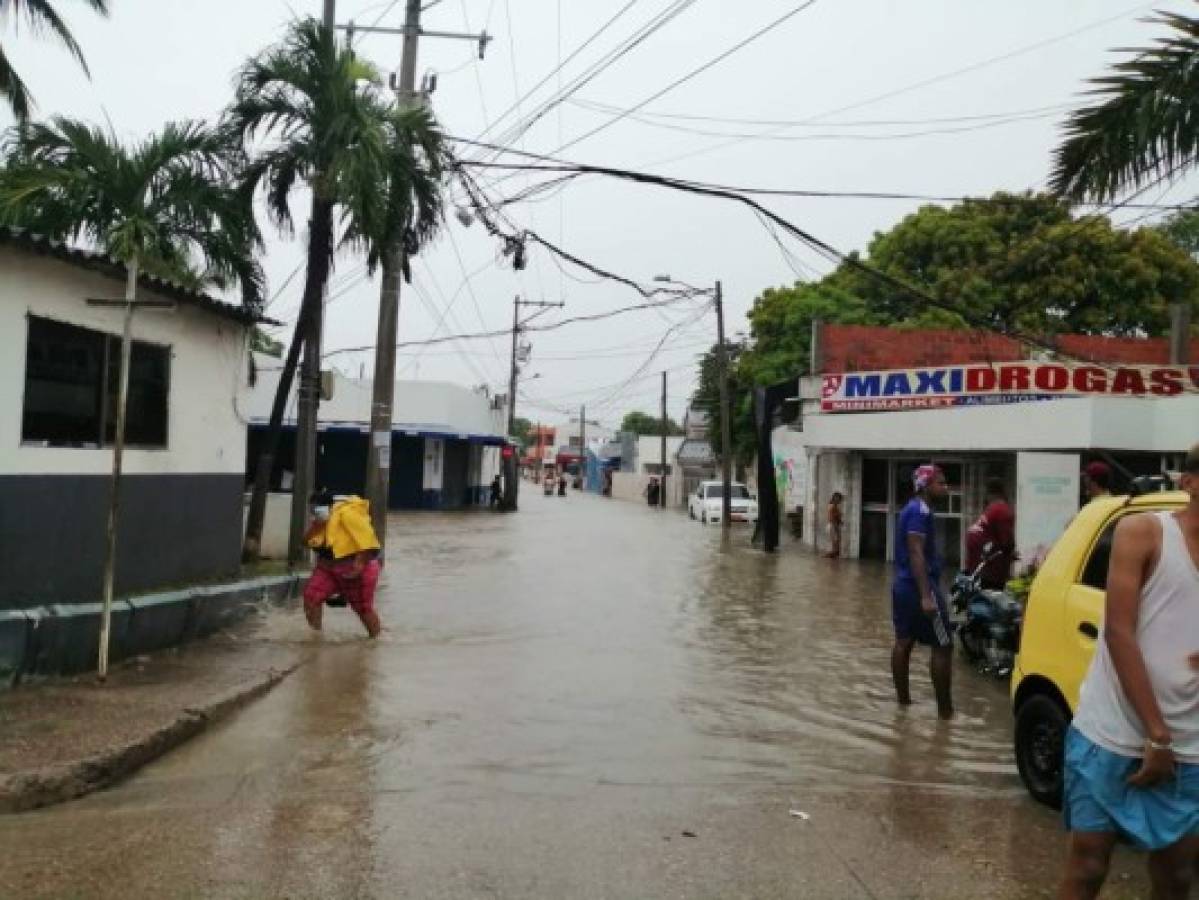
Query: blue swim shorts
1098,798
913,623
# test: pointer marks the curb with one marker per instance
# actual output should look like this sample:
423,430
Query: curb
23,791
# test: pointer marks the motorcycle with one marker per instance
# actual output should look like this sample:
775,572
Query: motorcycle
991,621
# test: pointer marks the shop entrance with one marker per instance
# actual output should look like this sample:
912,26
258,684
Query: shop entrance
887,487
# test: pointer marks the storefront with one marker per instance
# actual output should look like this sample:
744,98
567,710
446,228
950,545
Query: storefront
1032,424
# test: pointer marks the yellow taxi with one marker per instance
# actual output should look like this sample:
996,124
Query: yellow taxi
1061,626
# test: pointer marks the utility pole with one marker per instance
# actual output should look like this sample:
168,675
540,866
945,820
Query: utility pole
129,304
662,479
726,429
308,401
583,447
512,472
1180,334
378,454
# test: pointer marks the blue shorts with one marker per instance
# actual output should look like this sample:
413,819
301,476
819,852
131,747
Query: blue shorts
912,622
1098,798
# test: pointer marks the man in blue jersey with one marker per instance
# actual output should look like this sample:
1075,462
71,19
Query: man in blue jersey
917,604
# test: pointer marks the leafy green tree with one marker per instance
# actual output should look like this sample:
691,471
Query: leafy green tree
1182,230
707,398
41,17
1020,263
642,423
521,429
1143,127
370,167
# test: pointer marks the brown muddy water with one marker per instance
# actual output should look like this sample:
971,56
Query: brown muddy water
586,699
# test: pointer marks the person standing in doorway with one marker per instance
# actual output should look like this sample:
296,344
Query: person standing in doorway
995,528
496,492
917,604
1132,751
836,520
1097,480
347,563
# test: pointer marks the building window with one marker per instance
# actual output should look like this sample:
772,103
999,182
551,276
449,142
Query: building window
72,381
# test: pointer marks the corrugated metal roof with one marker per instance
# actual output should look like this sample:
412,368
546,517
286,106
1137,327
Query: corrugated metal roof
106,265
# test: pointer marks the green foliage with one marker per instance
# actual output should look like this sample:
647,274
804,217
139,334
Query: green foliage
643,423
1182,230
521,429
1143,129
261,342
40,17
167,202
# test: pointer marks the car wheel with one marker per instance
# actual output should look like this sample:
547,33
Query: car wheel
1041,725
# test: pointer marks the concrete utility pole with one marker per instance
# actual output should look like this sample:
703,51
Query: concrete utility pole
726,429
129,304
512,470
378,454
308,399
662,480
583,446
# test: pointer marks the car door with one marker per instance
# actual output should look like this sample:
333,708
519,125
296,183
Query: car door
1084,612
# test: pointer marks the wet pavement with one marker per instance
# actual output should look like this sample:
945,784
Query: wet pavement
586,699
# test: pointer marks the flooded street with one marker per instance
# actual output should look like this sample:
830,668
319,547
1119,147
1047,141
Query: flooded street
587,699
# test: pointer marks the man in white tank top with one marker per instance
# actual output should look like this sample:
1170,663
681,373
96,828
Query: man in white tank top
1132,753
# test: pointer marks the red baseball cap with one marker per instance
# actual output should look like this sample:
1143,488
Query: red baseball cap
1098,471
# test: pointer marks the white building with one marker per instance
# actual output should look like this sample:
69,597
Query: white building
445,442
184,465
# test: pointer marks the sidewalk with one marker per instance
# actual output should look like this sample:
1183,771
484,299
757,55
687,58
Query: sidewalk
65,738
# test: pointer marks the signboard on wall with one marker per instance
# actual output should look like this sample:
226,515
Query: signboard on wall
985,384
1047,493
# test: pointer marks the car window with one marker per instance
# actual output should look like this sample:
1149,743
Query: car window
1094,573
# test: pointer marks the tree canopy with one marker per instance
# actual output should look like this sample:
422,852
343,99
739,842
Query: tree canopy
642,423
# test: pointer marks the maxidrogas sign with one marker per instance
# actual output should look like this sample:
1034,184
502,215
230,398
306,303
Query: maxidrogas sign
983,384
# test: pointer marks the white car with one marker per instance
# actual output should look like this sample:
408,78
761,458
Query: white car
706,503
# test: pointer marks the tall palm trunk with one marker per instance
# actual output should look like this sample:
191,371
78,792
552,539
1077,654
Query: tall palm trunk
320,253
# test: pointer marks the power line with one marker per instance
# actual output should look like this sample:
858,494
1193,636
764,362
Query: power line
693,73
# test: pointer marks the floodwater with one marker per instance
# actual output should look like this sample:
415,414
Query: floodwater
589,698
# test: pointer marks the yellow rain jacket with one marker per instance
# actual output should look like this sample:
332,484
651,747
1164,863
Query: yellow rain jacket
348,531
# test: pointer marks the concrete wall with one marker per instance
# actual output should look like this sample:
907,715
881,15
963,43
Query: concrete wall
631,486
180,505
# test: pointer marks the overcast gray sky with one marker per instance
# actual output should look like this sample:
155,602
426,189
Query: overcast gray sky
834,66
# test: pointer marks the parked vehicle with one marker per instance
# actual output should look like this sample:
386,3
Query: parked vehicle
1061,626
706,503
990,621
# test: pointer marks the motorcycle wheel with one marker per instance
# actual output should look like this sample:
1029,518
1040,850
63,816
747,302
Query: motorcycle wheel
973,644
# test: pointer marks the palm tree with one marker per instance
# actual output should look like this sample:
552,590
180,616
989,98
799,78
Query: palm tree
371,170
40,16
1144,127
166,205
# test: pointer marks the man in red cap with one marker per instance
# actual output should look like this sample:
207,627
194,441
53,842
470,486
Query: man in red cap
1097,480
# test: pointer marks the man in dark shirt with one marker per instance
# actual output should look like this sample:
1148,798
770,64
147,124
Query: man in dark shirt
997,527
918,608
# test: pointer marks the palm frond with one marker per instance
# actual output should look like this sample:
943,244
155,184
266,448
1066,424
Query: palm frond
1145,126
14,90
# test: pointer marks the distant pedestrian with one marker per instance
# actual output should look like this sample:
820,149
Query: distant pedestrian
607,489
347,564
653,491
496,492
836,520
1132,751
995,528
562,485
1097,480
917,604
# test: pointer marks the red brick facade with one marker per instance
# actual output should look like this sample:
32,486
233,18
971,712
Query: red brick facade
864,348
